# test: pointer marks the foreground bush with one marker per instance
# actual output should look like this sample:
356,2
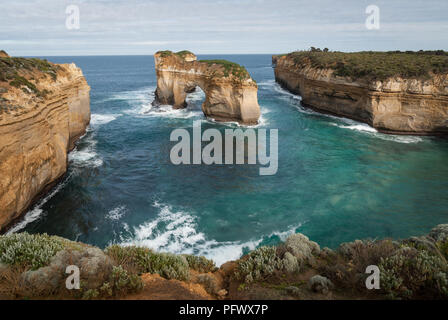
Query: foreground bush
410,272
258,264
200,263
31,250
347,265
35,265
144,260
120,283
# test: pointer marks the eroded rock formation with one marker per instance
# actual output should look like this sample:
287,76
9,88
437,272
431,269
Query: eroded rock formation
230,92
395,105
44,109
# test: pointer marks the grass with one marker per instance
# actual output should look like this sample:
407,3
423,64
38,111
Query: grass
230,68
374,65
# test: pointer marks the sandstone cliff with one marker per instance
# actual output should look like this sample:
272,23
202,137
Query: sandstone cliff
44,109
393,105
230,92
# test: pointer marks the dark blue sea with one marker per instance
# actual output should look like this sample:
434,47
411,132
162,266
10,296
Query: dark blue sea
337,180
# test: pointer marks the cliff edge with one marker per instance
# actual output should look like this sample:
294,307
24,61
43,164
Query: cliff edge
34,266
395,92
230,92
44,109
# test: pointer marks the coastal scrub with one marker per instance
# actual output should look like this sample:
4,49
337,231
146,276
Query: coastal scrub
375,65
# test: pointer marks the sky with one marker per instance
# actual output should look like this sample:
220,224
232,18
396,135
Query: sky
138,27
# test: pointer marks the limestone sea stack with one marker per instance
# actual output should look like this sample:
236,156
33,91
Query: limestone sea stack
230,92
395,92
44,109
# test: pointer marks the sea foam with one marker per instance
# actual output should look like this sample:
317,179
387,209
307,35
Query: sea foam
176,231
348,123
36,212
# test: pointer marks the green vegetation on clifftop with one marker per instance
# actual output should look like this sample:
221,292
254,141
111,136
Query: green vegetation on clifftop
167,53
230,68
12,70
375,65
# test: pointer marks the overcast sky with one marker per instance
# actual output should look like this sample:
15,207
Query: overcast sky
121,27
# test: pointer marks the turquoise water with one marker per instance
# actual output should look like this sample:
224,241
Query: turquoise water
337,180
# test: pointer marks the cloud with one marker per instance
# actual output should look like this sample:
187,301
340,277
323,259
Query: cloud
37,27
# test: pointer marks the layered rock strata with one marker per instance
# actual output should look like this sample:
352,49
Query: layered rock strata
230,92
44,109
395,105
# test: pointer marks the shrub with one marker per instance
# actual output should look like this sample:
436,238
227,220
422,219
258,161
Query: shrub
10,68
410,272
347,265
164,53
258,264
301,247
443,247
229,68
208,282
30,250
375,65
183,53
121,282
200,263
132,258
143,260
169,266
290,263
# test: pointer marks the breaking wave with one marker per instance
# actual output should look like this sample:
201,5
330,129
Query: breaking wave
175,231
348,123
86,156
36,212
141,105
99,119
116,213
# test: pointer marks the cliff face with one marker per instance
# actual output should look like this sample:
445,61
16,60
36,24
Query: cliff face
230,93
44,109
396,105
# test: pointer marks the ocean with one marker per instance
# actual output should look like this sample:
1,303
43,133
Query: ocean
338,180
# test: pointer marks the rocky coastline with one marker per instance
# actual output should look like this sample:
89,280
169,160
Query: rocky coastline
44,110
396,104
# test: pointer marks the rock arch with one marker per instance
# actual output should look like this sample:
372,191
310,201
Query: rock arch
230,92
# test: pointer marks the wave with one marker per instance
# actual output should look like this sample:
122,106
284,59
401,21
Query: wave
176,232
362,127
86,156
36,212
168,111
99,119
349,123
141,105
116,213
262,122
135,97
